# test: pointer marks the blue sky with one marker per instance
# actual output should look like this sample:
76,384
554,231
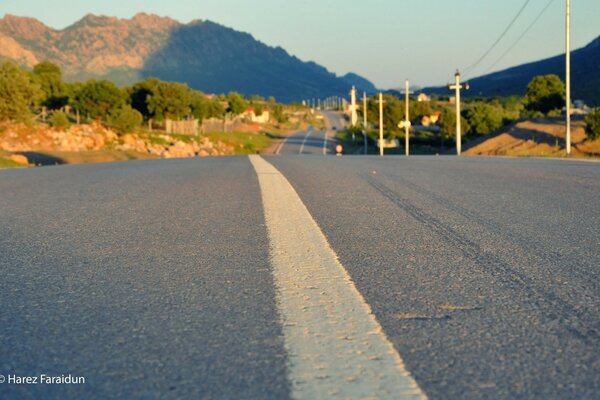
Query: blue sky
386,41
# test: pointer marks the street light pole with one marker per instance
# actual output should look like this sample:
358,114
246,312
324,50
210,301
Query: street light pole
406,122
380,124
568,77
457,86
365,119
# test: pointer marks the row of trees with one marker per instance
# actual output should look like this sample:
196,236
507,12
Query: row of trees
544,96
24,93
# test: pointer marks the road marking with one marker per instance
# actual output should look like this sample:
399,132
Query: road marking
304,141
336,347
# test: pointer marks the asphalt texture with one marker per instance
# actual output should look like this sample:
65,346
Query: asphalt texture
152,278
482,271
314,141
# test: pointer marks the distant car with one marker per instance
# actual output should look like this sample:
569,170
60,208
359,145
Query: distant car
334,128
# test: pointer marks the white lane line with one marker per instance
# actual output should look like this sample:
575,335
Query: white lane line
336,347
281,144
327,123
305,138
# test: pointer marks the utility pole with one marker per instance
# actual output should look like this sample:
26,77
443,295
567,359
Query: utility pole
568,77
380,124
457,86
353,115
406,122
365,119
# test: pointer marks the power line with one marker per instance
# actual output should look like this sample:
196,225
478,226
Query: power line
476,63
512,46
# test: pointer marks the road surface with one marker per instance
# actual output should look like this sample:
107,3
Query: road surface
312,140
302,276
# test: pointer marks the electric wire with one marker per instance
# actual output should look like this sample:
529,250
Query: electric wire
476,63
516,42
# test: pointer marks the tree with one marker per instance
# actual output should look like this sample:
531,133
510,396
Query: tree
98,98
448,123
279,114
138,95
419,109
483,119
169,100
393,113
50,79
592,128
237,103
125,119
19,93
545,94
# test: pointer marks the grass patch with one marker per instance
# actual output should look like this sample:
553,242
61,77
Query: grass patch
242,142
8,163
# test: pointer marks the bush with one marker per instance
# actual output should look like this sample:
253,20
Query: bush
483,119
544,94
59,120
125,119
592,128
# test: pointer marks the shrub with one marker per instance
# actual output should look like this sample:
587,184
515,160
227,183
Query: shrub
544,94
483,119
125,119
592,128
59,120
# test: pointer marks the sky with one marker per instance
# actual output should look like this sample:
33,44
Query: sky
386,41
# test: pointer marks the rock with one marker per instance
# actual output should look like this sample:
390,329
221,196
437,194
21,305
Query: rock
19,158
203,153
129,139
110,136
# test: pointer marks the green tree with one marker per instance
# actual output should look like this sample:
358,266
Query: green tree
237,103
279,114
125,119
169,100
393,113
50,79
98,98
592,127
483,118
545,94
419,109
448,123
19,92
138,95
59,120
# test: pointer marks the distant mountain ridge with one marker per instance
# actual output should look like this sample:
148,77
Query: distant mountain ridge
585,76
205,55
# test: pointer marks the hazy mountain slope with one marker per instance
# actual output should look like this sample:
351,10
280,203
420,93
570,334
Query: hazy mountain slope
585,76
361,84
206,55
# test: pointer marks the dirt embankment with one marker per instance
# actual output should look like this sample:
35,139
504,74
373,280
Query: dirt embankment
537,137
39,144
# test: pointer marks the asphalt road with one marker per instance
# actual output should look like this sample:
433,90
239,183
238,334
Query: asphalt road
313,141
152,279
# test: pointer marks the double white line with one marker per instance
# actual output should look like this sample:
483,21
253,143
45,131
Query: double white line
336,347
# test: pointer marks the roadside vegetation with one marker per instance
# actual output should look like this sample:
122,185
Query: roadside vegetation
433,121
138,115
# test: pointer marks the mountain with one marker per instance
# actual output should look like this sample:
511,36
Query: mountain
585,76
205,55
361,84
